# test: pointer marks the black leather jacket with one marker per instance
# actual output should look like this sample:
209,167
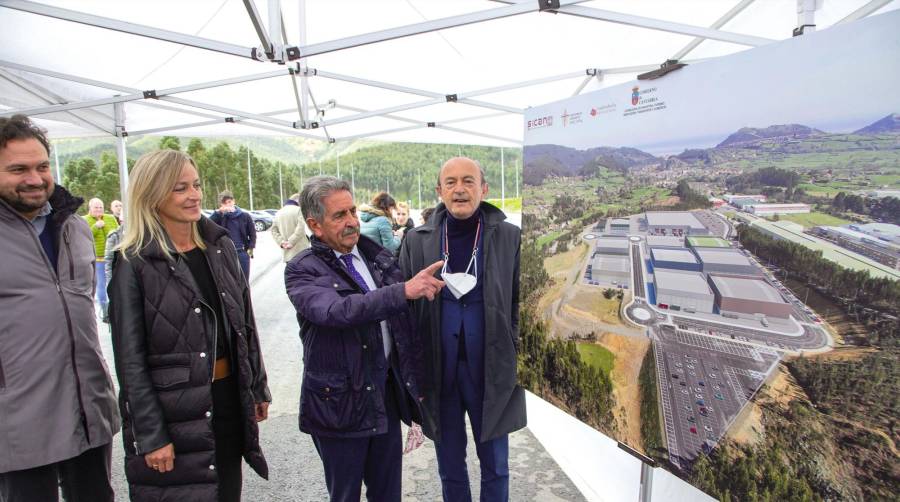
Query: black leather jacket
164,344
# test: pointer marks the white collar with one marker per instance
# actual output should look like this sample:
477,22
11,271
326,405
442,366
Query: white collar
354,252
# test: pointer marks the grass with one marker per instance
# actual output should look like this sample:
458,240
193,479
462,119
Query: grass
561,263
597,356
814,219
708,242
513,204
589,300
548,238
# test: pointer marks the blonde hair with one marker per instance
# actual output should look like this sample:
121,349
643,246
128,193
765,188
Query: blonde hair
151,181
403,205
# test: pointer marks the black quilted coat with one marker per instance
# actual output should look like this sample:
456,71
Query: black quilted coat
164,344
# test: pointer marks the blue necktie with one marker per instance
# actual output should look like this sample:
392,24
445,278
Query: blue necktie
348,260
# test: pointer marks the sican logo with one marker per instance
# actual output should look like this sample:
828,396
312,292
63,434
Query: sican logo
635,95
540,122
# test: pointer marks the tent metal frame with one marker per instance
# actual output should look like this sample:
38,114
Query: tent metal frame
271,35
274,48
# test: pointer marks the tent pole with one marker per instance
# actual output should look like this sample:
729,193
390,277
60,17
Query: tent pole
249,177
502,181
728,16
122,151
132,28
304,84
280,185
655,24
56,158
806,16
864,11
517,178
425,27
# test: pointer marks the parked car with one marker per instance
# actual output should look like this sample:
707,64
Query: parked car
261,220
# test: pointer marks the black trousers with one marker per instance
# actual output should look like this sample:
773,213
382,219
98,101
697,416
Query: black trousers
84,478
229,434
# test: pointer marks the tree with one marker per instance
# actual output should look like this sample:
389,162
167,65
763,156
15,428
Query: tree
171,142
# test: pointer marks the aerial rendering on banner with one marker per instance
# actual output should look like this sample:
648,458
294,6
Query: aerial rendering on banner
713,280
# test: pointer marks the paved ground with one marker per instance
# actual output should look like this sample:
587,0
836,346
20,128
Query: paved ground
295,470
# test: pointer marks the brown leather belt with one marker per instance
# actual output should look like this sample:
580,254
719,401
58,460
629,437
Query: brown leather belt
222,370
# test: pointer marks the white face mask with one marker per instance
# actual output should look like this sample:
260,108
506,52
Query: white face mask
460,283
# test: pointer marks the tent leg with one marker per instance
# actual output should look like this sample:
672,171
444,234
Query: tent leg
122,151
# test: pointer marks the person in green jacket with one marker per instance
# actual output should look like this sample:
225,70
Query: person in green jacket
376,222
101,226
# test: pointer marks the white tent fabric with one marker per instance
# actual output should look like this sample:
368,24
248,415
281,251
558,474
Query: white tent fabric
38,50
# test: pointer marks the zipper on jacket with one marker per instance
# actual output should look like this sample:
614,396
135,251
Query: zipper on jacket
62,297
69,251
2,376
212,374
137,450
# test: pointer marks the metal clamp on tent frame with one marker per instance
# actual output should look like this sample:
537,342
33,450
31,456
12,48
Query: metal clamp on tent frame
292,53
798,31
548,5
150,94
430,124
664,69
451,98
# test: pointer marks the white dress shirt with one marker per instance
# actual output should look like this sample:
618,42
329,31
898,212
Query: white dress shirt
360,265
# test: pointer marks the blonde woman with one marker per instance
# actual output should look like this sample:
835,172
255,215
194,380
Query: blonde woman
191,376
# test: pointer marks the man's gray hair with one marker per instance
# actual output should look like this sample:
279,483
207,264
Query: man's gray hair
314,192
480,170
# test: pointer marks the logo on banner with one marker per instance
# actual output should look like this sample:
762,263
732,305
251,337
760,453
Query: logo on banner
603,109
570,118
643,101
539,122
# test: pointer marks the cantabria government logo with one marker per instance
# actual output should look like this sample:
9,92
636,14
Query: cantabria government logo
635,95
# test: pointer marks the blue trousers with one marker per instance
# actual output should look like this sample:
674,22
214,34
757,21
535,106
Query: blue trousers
244,260
467,397
374,460
102,299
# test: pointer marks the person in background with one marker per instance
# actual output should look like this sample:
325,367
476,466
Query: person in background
471,333
192,384
426,213
112,244
116,208
376,223
101,226
239,225
288,228
402,221
58,410
362,360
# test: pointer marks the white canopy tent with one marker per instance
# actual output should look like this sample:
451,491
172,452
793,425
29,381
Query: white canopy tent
398,70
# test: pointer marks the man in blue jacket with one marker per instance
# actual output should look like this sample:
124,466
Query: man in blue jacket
239,225
362,366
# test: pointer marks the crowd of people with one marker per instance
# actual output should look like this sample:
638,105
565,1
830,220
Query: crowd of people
399,323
